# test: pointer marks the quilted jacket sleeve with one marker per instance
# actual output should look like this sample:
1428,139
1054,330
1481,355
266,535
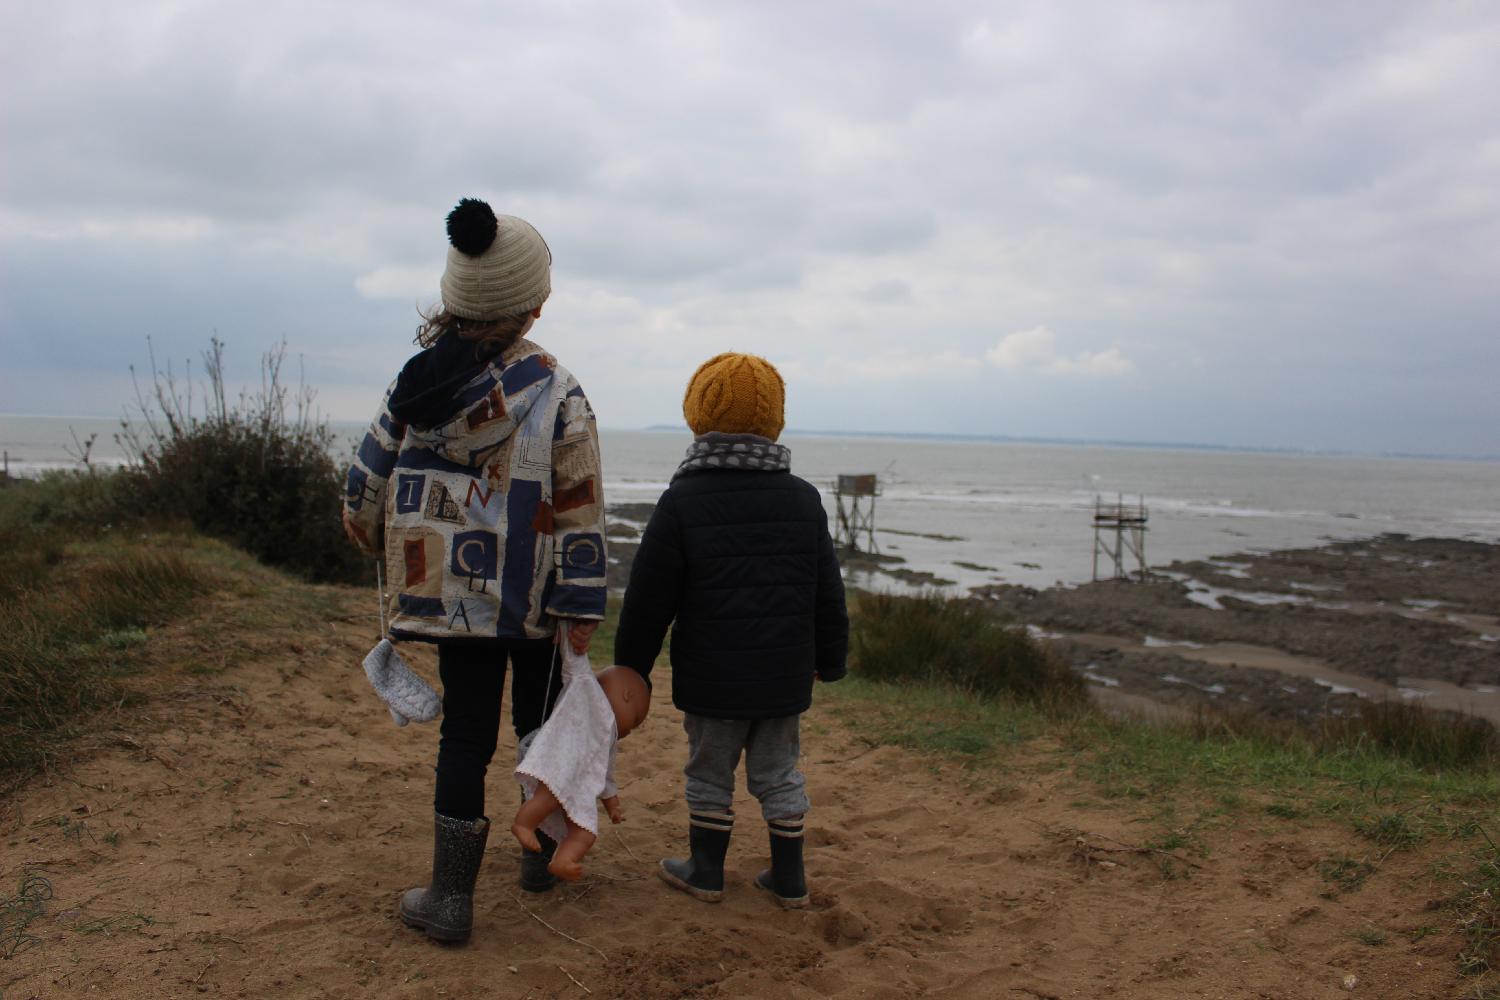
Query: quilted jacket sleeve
365,485
654,591
832,614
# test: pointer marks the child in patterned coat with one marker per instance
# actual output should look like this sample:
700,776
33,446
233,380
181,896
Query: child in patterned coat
480,483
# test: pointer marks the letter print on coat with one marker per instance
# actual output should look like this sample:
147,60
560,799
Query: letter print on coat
583,556
476,558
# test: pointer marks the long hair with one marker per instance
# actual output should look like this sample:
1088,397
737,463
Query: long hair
491,336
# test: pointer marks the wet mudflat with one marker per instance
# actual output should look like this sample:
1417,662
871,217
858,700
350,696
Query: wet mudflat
1292,633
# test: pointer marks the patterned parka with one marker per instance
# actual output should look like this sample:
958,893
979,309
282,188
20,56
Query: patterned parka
493,518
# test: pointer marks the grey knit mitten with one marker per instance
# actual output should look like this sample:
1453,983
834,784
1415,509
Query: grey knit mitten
408,696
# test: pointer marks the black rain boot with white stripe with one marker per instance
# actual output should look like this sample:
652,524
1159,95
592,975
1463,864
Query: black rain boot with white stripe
785,878
702,874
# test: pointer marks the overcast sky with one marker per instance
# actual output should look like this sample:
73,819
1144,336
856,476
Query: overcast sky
1258,223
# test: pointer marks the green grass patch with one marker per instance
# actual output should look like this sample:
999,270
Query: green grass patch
932,639
930,718
1427,739
1396,830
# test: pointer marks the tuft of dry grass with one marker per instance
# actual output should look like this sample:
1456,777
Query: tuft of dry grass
1477,908
1426,738
64,636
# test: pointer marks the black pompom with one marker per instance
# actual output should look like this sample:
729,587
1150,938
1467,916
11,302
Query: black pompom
472,227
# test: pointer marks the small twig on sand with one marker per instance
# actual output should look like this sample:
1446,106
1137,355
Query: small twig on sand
199,978
1033,991
575,980
617,878
1124,848
554,930
360,618
627,847
157,755
845,760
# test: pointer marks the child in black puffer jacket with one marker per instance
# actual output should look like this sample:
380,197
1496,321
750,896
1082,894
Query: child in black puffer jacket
737,558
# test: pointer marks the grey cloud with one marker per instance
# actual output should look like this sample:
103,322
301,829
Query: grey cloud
1310,183
888,290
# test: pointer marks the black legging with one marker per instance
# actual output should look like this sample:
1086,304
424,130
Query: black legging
473,675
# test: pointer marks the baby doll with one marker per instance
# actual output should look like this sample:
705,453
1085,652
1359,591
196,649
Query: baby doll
570,762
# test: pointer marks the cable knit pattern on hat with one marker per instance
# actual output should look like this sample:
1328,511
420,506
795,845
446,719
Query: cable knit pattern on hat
513,275
735,393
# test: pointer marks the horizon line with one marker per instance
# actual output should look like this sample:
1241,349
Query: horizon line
1248,449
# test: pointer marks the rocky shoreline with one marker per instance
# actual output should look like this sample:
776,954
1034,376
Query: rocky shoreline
1293,634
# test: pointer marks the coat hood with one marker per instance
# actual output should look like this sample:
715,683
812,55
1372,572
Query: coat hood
464,406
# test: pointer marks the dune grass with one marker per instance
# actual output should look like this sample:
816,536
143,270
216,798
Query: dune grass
932,639
69,621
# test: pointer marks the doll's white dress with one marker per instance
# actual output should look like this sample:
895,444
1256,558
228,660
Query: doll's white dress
573,753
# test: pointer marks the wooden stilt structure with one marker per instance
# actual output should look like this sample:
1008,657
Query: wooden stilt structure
854,501
1120,529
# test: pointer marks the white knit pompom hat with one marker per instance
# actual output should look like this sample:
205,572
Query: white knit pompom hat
498,266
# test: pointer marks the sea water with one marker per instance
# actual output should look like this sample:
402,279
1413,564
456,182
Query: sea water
975,512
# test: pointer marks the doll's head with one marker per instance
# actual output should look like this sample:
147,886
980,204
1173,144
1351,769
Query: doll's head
628,695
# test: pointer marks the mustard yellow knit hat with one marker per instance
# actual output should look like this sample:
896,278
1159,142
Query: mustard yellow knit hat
735,394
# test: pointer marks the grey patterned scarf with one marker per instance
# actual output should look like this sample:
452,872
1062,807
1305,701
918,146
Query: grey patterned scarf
735,451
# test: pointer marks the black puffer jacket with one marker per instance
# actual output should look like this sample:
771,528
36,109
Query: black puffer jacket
742,561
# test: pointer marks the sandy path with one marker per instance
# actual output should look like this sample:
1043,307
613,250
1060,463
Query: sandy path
249,837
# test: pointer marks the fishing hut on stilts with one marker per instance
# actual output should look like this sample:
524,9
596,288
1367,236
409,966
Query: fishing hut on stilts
854,501
1120,531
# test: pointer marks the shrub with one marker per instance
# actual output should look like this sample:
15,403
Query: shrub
257,473
934,639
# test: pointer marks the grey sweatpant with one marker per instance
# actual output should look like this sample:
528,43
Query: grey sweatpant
771,748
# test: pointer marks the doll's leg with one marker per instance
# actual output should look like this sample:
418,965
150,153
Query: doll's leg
531,814
565,863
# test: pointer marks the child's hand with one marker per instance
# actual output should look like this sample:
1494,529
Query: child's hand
616,814
579,632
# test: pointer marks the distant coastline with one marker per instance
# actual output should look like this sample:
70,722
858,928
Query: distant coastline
1110,443
1065,442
